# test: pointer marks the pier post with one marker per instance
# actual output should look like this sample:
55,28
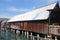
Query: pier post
31,35
10,29
45,38
27,34
13,31
22,32
37,36
55,38
17,32
33,38
41,38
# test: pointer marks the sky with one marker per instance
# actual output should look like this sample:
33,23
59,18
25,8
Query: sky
11,8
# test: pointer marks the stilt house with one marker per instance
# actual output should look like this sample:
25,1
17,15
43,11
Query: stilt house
42,20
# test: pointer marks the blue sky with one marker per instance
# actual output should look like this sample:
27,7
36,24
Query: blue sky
10,8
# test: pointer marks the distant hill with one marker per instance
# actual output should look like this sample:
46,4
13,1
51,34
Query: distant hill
4,19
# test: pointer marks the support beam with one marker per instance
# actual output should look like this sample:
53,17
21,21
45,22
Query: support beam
31,35
33,38
27,34
45,38
17,32
55,38
22,32
37,36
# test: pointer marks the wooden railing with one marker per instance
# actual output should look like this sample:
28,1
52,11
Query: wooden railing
54,29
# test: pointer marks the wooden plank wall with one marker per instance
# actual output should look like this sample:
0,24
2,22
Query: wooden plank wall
38,27
32,26
0,23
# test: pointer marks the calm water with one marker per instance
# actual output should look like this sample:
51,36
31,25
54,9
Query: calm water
6,35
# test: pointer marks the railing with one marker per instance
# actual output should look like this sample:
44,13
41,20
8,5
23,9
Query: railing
54,29
14,27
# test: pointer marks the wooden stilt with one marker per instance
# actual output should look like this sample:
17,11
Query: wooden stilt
37,36
27,34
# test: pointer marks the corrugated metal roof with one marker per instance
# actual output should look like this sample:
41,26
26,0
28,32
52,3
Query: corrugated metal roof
38,14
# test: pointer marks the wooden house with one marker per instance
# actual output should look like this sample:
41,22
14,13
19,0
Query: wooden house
38,20
0,23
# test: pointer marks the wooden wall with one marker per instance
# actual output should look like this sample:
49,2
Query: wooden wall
32,26
0,23
38,27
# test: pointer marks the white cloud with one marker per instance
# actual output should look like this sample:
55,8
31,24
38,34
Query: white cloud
14,9
4,16
49,1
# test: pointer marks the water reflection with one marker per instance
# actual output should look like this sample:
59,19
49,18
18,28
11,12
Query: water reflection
8,35
2,35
